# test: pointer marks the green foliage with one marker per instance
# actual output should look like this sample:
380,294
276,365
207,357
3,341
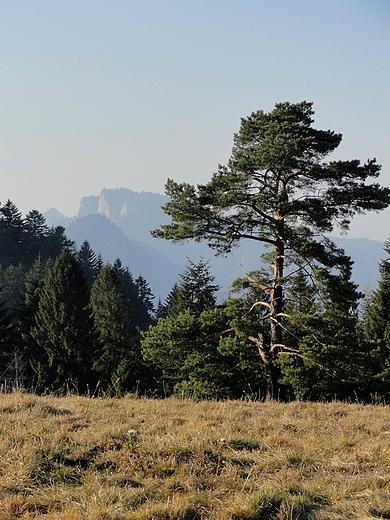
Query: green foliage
63,328
192,351
144,308
277,189
196,290
23,239
116,336
11,234
89,262
7,337
324,330
139,295
376,329
276,170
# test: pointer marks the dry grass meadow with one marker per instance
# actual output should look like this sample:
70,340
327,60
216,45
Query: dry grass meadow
76,458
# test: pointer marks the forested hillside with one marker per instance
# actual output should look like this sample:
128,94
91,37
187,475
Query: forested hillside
289,329
70,322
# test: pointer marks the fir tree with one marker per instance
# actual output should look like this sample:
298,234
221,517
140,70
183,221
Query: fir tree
12,235
376,330
196,291
63,328
37,233
7,339
323,327
144,310
89,262
118,355
187,350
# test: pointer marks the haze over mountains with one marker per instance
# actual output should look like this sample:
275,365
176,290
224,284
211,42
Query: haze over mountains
117,224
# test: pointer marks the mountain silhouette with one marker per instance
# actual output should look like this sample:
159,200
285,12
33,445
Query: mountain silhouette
117,224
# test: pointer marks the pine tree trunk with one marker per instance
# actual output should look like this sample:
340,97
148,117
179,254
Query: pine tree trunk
275,323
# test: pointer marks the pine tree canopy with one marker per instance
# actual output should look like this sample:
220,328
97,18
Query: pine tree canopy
279,189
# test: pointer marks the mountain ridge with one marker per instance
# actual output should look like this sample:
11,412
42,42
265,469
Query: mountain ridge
136,213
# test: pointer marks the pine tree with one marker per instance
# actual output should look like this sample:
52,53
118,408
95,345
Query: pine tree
279,190
63,328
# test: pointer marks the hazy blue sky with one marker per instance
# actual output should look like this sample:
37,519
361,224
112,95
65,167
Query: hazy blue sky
125,93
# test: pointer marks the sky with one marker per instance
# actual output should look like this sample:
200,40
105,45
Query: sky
127,93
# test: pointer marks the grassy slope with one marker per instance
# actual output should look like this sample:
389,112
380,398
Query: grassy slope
74,458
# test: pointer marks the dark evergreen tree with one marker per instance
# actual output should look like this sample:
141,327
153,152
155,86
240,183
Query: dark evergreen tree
56,242
33,284
190,350
170,300
36,235
332,363
376,330
139,295
7,343
117,360
63,328
144,310
161,310
89,262
12,281
12,235
277,189
196,291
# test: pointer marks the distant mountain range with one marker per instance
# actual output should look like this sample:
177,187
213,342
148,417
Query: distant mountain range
117,224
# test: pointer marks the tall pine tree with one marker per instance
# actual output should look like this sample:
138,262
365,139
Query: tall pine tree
277,189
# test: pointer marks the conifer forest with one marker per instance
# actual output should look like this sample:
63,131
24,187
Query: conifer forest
296,328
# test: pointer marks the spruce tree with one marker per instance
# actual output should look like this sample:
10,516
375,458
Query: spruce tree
36,235
323,327
33,284
88,260
376,330
7,340
117,357
63,328
190,350
144,311
197,291
12,235
139,294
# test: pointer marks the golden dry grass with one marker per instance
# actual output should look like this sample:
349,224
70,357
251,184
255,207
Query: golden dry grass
74,458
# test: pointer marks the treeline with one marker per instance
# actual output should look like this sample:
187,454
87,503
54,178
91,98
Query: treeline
68,322
71,323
